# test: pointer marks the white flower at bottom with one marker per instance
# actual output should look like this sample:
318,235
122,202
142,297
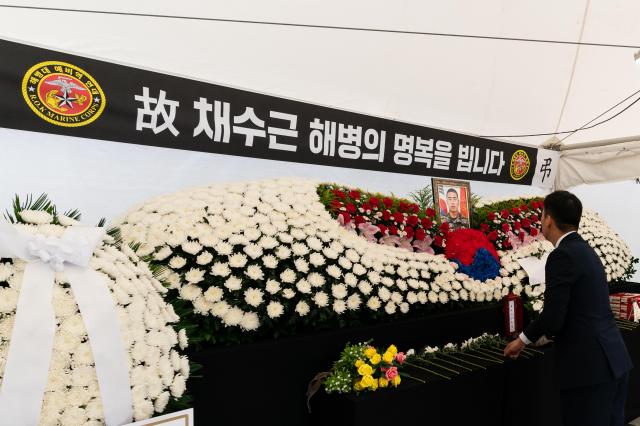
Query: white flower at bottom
183,341
190,292
233,316
404,307
339,306
272,286
288,276
353,302
339,291
321,299
194,275
250,321
213,294
275,309
253,296
233,283
220,309
390,307
302,308
178,386
374,303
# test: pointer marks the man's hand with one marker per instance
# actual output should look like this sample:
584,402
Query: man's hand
514,348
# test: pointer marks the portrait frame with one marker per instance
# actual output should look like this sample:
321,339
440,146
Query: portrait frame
441,204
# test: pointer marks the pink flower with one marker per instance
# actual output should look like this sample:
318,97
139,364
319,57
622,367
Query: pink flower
391,373
400,357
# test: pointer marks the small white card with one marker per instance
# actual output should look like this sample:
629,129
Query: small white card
179,418
534,268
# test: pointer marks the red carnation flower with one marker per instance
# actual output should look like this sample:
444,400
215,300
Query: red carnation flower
533,232
492,236
426,223
393,230
517,226
388,202
534,217
515,211
415,208
437,241
526,223
412,220
366,206
506,244
398,217
506,227
354,194
403,207
524,208
491,216
351,208
359,219
338,193
410,231
382,228
444,227
345,216
386,215
504,213
373,201
430,212
335,204
420,234
484,227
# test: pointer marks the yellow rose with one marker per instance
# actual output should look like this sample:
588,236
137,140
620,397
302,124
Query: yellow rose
393,350
383,382
388,357
370,351
365,369
367,381
359,363
396,381
357,387
375,359
374,385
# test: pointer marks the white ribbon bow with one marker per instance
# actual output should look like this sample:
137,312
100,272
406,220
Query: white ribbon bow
27,368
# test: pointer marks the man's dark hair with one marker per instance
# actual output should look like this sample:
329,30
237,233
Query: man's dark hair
565,209
452,190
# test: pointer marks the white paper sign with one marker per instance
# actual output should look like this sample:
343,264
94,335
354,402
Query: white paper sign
534,268
179,418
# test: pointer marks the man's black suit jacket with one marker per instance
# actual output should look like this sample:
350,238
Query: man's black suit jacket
577,314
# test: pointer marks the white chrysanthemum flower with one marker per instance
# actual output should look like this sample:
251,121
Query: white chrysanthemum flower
301,265
339,306
162,254
314,243
191,247
36,217
233,283
253,296
303,286
353,302
288,293
404,307
233,316
390,308
334,271
302,308
283,253
365,287
288,276
373,303
358,269
254,251
339,291
272,286
250,321
275,309
254,272
315,279
220,269
345,263
321,299
237,260
300,249
213,294
224,249
190,292
270,261
316,259
219,309
194,275
204,258
177,262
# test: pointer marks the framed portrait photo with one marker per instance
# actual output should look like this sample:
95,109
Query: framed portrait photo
451,199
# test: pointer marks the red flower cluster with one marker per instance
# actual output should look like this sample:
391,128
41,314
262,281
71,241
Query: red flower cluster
462,245
522,220
392,216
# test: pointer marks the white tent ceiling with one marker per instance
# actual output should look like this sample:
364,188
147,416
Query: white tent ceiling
478,86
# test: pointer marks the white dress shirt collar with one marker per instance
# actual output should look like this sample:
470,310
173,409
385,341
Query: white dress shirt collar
562,238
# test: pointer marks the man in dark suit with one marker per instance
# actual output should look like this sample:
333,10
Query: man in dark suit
591,360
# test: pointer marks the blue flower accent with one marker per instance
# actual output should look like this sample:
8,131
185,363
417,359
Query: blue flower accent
483,267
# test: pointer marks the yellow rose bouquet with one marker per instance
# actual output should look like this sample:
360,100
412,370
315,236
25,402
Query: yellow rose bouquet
363,367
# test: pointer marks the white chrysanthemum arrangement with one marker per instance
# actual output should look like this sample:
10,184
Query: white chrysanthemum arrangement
266,257
158,371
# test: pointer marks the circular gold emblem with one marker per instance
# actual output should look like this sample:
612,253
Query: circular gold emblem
519,164
63,94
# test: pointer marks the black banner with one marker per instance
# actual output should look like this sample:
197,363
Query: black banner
53,92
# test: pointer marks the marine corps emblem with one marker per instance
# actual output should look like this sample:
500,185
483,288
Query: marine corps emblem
63,94
519,164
